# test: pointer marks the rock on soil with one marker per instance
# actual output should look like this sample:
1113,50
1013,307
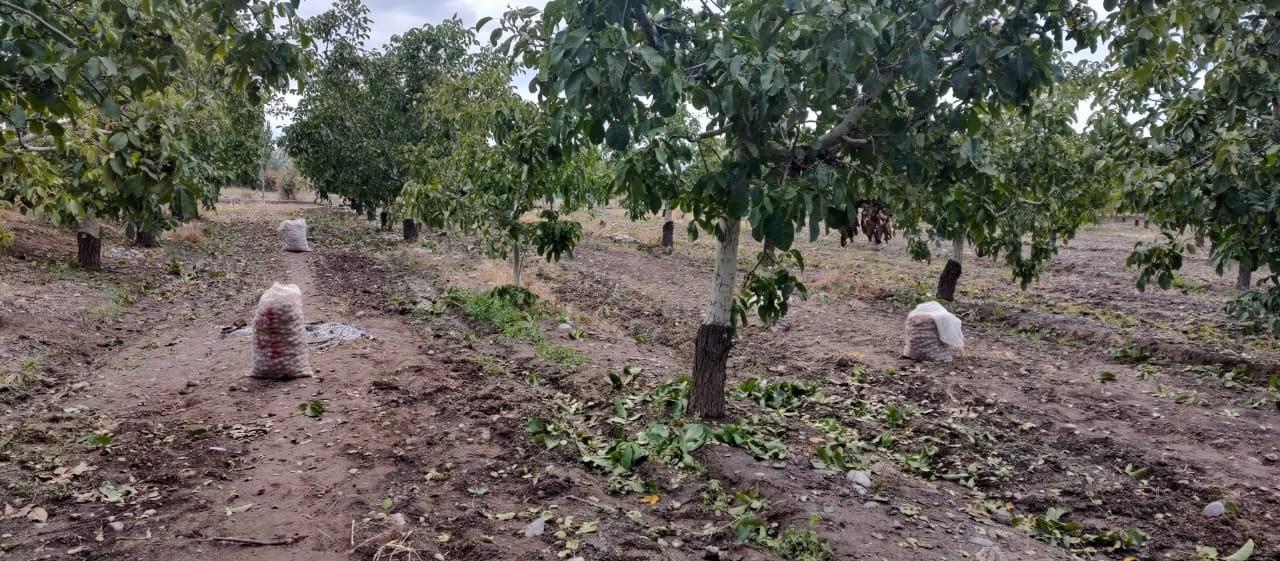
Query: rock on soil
1214,509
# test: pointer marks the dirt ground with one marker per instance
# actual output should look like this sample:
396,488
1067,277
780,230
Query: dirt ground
1083,418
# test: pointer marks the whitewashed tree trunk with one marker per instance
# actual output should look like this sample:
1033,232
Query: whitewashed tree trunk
89,243
715,335
668,228
517,262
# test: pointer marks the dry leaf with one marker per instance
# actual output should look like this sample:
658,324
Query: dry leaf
64,474
38,514
649,499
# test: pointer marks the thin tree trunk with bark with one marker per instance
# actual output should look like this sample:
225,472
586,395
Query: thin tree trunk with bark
370,213
715,335
410,230
143,238
384,219
517,262
357,207
951,272
89,244
668,230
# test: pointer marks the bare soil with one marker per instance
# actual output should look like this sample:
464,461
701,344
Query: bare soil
1080,394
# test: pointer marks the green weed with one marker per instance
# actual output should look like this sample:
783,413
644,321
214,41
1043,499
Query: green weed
118,299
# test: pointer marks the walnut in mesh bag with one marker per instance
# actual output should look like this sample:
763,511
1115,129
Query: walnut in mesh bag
932,332
294,234
279,335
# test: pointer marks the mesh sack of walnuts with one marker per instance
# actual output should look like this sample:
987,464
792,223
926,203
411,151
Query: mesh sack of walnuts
279,335
294,234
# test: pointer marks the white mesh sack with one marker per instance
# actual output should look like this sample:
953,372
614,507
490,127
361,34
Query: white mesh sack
294,233
932,332
279,335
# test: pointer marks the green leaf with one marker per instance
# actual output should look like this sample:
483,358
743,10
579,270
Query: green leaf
481,22
960,25
313,409
1243,554
779,230
118,141
18,116
110,109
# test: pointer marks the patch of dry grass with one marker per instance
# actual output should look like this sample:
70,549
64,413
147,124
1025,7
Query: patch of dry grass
243,194
493,273
191,232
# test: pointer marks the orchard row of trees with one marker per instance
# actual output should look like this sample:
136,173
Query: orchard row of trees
136,111
958,117
785,117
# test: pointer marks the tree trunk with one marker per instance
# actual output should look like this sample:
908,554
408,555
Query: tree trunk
668,230
370,213
1200,240
947,281
357,207
951,273
383,218
517,262
143,238
1244,277
1053,239
410,230
715,336
89,243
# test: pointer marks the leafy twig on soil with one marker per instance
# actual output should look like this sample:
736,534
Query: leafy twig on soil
250,541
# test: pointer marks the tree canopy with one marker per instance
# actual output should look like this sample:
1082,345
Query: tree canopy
806,94
123,109
1192,123
360,114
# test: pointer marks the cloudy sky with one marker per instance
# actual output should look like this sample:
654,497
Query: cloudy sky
392,17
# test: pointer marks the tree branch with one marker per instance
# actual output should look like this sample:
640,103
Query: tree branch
63,36
646,24
711,133
886,77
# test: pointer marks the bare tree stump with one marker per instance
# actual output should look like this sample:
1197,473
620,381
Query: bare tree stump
410,230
